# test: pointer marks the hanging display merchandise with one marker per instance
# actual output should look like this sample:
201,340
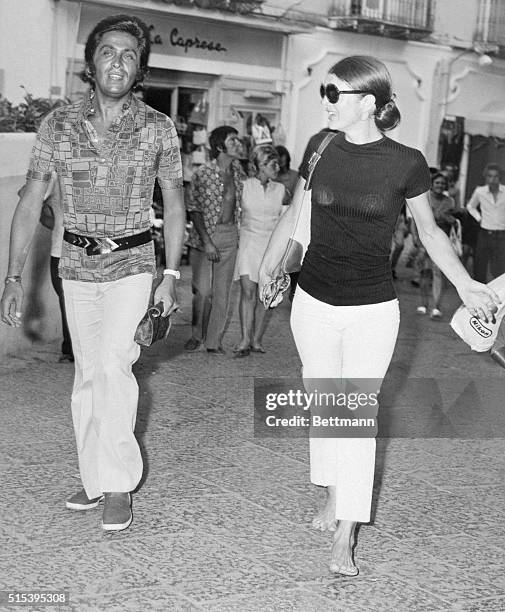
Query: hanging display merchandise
200,136
195,137
261,131
200,113
235,119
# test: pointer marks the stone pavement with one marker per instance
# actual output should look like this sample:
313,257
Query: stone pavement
222,519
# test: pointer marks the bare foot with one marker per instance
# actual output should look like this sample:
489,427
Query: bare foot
325,518
241,346
257,348
341,561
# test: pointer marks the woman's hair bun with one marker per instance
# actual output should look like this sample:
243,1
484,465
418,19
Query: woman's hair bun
387,116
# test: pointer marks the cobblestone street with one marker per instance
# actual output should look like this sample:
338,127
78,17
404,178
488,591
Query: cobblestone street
222,519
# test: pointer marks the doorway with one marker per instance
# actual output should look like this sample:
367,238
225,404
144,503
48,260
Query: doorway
176,102
160,98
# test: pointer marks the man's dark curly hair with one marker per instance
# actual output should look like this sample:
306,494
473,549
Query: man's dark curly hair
217,138
118,23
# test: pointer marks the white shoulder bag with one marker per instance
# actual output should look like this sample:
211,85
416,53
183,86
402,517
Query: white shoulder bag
271,294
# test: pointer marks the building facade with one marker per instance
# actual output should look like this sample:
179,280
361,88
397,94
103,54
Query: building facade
260,62
267,58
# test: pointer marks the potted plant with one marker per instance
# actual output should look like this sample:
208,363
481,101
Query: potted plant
25,117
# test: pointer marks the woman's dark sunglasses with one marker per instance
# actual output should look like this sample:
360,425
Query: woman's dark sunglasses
332,92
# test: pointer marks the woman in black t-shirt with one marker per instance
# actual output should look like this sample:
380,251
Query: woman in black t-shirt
345,312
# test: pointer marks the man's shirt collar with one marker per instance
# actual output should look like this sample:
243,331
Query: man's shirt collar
501,188
132,114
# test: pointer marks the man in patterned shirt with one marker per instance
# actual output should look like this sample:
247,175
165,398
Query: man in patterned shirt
214,207
107,152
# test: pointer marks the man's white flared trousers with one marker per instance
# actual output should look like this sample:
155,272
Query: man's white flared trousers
102,318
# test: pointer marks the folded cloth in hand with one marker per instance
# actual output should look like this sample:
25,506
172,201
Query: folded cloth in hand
152,326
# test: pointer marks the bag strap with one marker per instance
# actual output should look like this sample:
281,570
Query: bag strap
314,158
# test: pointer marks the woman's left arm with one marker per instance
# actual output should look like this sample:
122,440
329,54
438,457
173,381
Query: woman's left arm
480,300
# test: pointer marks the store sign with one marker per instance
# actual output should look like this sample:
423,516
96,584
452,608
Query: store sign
179,40
198,38
188,43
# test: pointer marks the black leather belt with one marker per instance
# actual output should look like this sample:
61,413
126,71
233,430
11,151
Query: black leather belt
101,246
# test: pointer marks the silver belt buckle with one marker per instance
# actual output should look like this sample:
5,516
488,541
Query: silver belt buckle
107,245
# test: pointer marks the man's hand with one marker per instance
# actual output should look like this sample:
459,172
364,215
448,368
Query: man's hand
11,304
24,223
165,292
212,251
481,301
475,213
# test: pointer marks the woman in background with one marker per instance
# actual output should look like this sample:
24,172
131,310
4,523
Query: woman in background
262,205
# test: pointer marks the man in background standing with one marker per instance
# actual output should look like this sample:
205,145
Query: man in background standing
487,207
214,208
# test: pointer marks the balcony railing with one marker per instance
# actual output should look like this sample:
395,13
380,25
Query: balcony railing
491,22
234,6
399,18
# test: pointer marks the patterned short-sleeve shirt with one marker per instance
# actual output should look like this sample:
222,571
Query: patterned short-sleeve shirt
106,188
206,196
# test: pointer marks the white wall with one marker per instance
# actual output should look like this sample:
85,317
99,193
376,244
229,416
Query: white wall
25,47
468,78
36,39
456,19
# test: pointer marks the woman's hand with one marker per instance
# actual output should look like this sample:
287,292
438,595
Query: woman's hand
481,301
269,283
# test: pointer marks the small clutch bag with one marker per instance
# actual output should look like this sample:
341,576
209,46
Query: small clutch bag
153,326
47,216
273,292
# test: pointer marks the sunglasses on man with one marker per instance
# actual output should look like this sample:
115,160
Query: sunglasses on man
332,92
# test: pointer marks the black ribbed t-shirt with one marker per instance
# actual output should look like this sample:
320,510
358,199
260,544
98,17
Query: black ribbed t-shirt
357,193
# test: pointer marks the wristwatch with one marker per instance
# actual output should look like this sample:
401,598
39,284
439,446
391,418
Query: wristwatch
174,273
13,279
